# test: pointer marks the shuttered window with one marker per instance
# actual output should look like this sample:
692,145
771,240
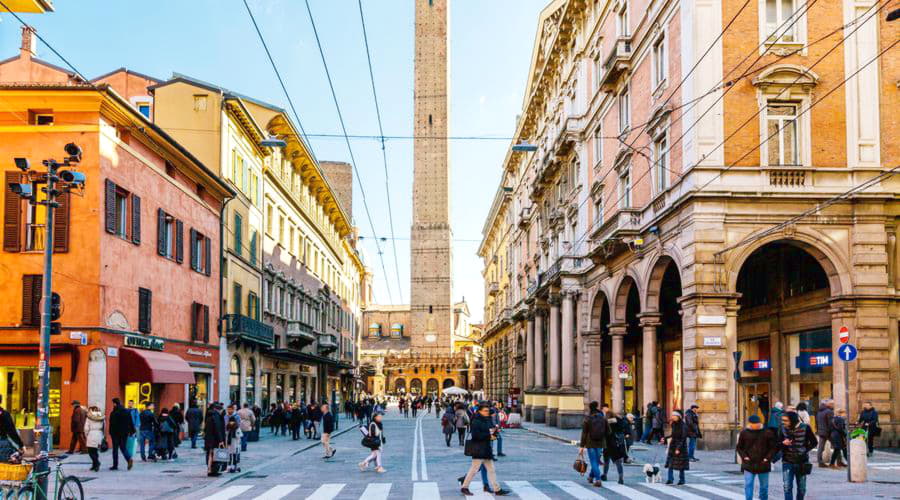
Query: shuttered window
199,322
201,252
253,244
32,285
24,224
170,236
123,212
238,233
145,304
12,214
237,300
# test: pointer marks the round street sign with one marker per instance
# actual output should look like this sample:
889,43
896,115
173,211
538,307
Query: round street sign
844,335
847,352
623,367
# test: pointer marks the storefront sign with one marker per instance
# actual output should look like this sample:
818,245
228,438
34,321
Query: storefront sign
813,360
756,365
712,341
204,353
151,343
710,320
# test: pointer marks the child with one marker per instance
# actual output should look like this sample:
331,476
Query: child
233,442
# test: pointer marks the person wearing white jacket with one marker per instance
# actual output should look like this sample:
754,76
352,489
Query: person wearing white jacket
94,431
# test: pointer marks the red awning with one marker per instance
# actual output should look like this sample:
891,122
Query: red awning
137,365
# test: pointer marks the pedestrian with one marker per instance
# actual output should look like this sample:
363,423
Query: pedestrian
213,437
677,454
838,439
177,417
233,439
374,440
10,442
94,431
165,442
775,415
692,421
659,424
194,419
274,424
756,448
482,433
593,440
649,417
120,428
462,423
615,450
297,421
314,417
868,420
803,412
248,421
448,426
762,403
148,431
823,427
796,441
79,416
499,419
136,420
630,433
327,429
285,412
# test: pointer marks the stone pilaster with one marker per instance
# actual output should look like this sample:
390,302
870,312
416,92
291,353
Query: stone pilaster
617,336
539,398
649,324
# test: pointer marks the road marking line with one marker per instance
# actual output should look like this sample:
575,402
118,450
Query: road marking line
422,455
415,452
675,492
717,491
715,478
326,492
627,492
732,481
426,491
229,492
526,491
377,491
577,491
277,492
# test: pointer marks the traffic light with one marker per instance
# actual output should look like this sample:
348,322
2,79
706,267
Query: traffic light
55,306
55,328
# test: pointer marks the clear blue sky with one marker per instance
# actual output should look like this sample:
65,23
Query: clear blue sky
491,42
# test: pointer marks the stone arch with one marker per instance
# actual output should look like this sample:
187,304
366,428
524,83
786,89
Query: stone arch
415,386
627,282
431,386
97,379
400,385
655,278
598,305
448,382
835,268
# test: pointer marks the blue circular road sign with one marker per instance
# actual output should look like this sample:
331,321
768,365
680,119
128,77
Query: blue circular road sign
847,352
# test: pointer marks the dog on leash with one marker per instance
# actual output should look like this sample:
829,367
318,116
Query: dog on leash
652,473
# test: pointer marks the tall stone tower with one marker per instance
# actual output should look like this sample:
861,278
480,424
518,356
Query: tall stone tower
431,286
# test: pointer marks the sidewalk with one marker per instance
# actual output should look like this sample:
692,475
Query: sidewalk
720,466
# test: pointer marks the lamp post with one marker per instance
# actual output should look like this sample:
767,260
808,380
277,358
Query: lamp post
55,182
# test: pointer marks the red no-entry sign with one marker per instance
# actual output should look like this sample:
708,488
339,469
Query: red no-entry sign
844,335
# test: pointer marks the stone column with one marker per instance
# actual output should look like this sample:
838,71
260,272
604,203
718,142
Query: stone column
731,313
539,397
649,323
568,340
617,334
555,344
529,367
593,342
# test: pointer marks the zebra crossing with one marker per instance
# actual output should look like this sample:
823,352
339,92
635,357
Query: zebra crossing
884,465
718,477
426,490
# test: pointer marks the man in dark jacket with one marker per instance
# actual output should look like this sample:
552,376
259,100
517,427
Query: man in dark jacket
823,427
327,429
120,428
149,430
79,415
593,439
213,437
796,441
194,419
868,420
756,446
692,420
482,433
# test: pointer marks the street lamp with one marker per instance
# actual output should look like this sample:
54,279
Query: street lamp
524,147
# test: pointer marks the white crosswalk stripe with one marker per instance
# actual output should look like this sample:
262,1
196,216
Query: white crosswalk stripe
278,492
717,491
675,492
526,491
477,489
577,491
326,492
229,492
627,492
426,491
377,491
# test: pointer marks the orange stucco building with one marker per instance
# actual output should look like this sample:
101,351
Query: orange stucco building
136,253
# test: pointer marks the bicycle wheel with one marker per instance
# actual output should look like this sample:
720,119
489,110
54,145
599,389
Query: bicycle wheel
25,492
70,489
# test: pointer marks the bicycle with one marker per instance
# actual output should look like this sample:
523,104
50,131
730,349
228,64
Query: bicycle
66,487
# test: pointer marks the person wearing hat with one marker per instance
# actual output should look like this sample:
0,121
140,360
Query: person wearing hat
756,447
677,454
692,420
79,416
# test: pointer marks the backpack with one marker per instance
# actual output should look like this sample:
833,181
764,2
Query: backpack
598,427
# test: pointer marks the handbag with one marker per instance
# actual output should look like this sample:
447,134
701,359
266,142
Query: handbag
805,468
580,465
220,455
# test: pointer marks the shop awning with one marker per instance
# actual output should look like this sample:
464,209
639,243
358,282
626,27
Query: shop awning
137,365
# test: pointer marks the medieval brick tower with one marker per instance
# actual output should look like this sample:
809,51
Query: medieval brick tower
431,258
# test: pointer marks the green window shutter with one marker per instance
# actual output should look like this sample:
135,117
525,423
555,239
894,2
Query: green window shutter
253,248
238,302
238,233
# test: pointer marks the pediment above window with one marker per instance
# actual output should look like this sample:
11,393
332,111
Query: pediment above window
786,76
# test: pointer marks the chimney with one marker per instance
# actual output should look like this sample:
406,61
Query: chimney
29,42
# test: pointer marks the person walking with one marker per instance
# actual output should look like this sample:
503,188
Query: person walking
177,417
657,434
165,442
194,419
838,439
482,433
248,422
796,440
498,416
447,424
756,447
762,402
136,420
327,429
803,412
79,415
314,417
120,428
297,422
213,437
461,422
823,427
615,450
868,420
233,439
775,415
677,454
148,431
692,421
374,440
631,424
94,430
593,440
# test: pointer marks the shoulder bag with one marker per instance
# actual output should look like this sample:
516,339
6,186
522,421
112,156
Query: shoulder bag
580,465
220,455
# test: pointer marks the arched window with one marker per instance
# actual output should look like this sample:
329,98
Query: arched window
250,382
234,380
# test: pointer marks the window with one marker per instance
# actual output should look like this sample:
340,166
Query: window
250,382
145,304
661,162
237,298
598,146
32,285
200,102
659,62
269,219
281,230
170,234
598,69
40,117
781,133
234,380
624,111
622,28
253,238
625,186
144,108
268,295
123,212
253,305
201,253
245,176
199,322
598,210
778,24
238,233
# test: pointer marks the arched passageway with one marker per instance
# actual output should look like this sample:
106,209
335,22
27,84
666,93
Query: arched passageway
415,386
400,386
431,387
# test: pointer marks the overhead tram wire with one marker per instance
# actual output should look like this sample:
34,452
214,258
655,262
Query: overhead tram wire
337,106
387,185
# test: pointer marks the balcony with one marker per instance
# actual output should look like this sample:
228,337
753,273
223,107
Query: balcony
300,332
493,288
524,217
532,287
617,63
625,222
240,327
327,343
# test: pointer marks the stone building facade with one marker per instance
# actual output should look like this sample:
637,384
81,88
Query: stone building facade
681,235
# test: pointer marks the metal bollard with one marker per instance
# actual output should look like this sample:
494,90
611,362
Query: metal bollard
858,460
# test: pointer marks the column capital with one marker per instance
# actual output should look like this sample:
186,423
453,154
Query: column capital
554,300
593,332
569,293
617,329
650,319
